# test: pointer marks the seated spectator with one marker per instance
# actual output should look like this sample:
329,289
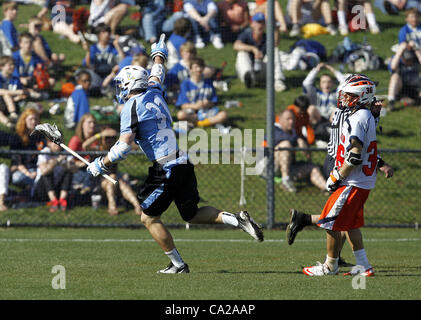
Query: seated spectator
41,46
11,92
107,89
107,141
26,62
53,178
197,99
78,102
251,47
180,71
134,52
322,100
153,16
285,161
412,30
393,7
10,10
61,26
345,14
203,16
24,166
233,17
174,12
303,126
302,12
104,55
85,139
4,185
108,12
280,21
182,30
405,81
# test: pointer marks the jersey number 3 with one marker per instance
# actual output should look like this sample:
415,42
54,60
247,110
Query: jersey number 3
368,169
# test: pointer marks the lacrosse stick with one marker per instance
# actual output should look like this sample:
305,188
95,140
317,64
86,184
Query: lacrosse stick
52,133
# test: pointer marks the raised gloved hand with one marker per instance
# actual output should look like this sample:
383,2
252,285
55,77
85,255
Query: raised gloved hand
159,49
334,180
97,167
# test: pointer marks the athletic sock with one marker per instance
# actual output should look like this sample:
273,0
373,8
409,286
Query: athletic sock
341,18
332,263
371,19
230,219
304,219
175,258
361,259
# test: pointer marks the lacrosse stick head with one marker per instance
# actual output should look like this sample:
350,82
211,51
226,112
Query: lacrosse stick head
50,131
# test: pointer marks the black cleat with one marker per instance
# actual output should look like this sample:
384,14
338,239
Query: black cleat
295,225
343,263
250,226
171,268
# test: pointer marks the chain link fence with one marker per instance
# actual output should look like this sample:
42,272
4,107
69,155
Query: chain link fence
394,202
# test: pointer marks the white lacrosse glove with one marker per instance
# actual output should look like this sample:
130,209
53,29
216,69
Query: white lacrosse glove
334,180
159,49
97,167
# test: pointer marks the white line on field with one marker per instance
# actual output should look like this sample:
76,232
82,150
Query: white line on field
189,240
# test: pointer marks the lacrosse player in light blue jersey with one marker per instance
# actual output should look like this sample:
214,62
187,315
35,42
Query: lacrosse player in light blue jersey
146,120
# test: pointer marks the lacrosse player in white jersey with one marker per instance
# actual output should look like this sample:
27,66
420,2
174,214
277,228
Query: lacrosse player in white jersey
351,180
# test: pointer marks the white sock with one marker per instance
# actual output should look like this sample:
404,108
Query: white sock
390,98
371,19
230,219
332,263
175,258
361,258
341,18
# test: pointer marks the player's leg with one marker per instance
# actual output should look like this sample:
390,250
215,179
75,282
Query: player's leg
155,197
186,197
242,220
363,267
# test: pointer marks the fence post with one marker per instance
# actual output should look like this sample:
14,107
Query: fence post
270,204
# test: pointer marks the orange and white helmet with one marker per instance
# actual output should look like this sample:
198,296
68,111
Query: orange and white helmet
358,85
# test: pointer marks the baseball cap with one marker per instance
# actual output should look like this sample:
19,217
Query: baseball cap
258,17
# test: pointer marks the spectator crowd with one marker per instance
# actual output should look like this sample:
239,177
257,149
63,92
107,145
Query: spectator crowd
31,72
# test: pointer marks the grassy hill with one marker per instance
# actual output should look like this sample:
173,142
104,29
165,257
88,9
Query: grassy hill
400,130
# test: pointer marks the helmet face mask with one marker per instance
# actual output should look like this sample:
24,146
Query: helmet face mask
356,91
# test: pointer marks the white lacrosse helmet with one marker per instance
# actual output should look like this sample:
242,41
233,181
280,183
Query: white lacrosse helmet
359,85
130,78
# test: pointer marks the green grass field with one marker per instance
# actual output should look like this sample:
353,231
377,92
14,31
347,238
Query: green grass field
225,265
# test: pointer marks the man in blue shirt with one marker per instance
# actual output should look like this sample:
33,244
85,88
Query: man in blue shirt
251,47
78,102
146,120
10,10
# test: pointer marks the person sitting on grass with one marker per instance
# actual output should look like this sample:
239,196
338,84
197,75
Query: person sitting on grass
53,178
102,56
10,10
26,62
197,99
11,92
23,166
107,141
291,169
41,46
78,102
